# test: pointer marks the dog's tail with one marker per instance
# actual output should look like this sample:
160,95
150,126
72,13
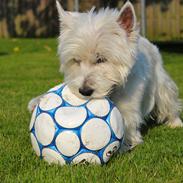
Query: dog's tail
168,106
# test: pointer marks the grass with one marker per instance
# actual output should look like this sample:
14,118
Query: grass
30,67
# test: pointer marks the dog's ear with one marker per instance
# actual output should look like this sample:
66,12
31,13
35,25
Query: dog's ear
127,18
64,16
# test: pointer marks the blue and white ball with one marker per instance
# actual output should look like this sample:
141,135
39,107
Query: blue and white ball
65,129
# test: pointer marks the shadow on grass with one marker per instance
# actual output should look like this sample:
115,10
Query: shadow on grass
150,123
4,53
170,46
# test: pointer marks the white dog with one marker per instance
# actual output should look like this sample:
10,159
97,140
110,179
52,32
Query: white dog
102,54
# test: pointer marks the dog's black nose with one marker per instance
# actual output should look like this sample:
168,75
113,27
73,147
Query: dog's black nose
86,91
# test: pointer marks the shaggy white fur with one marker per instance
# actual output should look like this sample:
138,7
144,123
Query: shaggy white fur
103,54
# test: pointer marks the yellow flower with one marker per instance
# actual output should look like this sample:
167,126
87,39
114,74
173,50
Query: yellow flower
47,48
16,49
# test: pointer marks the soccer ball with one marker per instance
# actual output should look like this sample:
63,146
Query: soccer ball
65,129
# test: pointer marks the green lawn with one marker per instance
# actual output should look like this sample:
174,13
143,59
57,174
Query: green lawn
30,67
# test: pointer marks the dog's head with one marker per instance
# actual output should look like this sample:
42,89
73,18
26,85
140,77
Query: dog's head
97,50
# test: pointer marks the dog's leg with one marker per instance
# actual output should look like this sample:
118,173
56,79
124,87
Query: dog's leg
168,106
132,122
128,99
32,103
129,105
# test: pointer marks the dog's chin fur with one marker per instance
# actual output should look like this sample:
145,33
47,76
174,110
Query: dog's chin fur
129,71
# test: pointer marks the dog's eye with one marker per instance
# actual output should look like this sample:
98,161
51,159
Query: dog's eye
77,61
100,60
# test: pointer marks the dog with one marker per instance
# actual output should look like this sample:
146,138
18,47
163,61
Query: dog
102,54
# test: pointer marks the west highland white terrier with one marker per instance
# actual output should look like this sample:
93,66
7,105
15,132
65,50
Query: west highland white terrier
103,54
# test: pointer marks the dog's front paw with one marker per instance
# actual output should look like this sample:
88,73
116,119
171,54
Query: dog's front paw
33,103
131,143
125,147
